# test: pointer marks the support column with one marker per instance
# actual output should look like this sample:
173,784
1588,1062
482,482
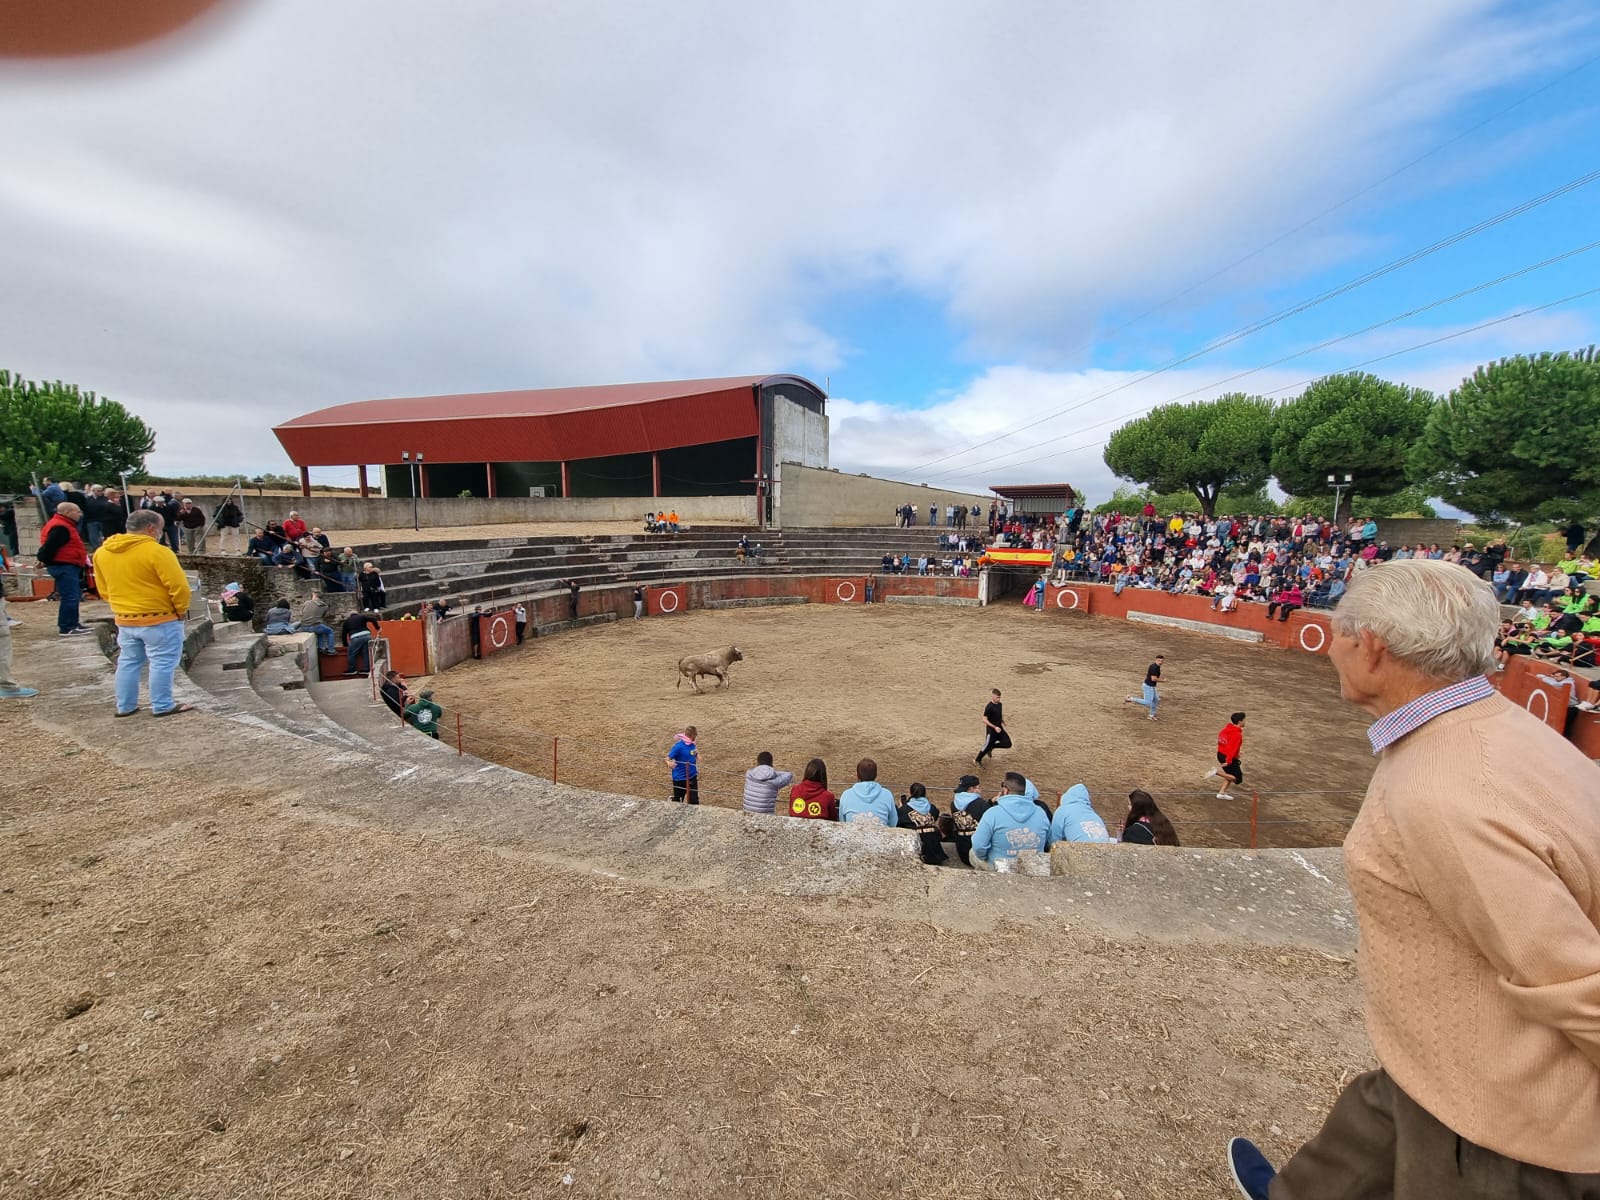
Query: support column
422,474
305,482
361,478
655,473
488,475
566,479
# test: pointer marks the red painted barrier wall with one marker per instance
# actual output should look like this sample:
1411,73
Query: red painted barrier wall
1303,630
844,591
664,601
407,652
1520,684
496,631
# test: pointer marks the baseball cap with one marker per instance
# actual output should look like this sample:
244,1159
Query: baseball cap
967,783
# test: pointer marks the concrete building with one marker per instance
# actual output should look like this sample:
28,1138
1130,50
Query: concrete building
695,437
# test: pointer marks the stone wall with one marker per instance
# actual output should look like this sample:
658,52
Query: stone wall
1408,531
809,497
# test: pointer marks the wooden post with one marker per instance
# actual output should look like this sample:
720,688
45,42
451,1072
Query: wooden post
459,750
1255,805
488,473
655,473
361,478
566,479
305,481
555,760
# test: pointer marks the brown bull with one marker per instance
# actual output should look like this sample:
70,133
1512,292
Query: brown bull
716,663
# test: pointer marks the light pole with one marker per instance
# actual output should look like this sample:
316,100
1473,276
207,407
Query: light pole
415,465
1339,485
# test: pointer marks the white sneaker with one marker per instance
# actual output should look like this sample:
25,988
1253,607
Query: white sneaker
1152,717
1211,774
1224,796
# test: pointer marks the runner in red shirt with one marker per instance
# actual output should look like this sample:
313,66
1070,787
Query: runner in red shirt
1230,738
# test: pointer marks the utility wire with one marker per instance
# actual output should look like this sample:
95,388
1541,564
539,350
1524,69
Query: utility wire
1345,203
1295,310
1526,312
1301,353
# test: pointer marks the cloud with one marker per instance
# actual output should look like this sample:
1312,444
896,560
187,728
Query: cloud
310,204
1016,424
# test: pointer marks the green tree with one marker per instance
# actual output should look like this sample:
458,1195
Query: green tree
1353,424
1199,448
1520,440
57,430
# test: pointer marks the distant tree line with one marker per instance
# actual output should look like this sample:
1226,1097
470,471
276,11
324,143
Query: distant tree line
1518,440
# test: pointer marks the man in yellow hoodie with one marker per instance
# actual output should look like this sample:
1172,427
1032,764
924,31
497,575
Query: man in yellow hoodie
139,577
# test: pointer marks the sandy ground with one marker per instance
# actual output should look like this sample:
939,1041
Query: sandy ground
214,992
906,686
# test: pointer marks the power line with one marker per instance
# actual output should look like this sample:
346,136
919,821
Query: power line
1296,309
1346,202
1323,345
1482,325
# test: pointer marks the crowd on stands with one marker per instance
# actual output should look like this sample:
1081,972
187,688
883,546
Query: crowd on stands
986,832
103,511
1286,563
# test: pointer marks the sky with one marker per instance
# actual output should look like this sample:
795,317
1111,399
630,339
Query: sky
993,232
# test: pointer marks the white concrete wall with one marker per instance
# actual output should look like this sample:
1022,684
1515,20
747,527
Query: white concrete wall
810,497
799,434
352,512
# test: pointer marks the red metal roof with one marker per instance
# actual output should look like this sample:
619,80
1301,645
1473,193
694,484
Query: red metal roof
547,425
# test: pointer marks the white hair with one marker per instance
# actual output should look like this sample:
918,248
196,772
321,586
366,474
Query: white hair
1436,617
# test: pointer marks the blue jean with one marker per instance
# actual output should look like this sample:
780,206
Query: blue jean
357,652
159,645
324,636
69,586
1150,699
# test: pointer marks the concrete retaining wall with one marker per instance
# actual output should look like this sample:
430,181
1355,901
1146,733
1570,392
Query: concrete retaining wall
1408,531
352,512
809,497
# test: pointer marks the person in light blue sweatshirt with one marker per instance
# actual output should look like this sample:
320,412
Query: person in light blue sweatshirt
867,800
1076,820
1011,825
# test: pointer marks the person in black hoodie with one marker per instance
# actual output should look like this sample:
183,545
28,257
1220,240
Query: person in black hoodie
918,812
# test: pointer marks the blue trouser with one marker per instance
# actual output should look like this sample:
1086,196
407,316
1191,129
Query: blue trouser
159,645
1150,699
69,586
324,636
356,652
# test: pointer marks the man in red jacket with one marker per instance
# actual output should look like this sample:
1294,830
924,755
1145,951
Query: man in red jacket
64,555
1230,738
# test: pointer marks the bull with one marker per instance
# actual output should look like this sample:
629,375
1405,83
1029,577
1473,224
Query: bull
716,663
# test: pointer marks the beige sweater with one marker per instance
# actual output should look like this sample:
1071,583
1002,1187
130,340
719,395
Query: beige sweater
1475,864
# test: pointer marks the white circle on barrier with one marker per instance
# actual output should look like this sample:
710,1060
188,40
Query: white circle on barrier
1067,592
1544,704
1322,637
663,597
499,632
838,592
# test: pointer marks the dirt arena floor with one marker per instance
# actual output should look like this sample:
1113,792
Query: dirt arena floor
906,685
217,992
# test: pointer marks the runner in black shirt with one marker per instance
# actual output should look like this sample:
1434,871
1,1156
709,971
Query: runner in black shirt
994,727
1152,680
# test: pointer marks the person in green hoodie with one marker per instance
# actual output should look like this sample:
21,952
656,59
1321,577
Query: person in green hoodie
424,714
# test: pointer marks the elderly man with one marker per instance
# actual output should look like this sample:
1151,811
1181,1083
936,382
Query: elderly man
63,554
139,577
1473,863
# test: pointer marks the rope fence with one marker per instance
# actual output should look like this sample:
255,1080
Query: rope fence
1251,819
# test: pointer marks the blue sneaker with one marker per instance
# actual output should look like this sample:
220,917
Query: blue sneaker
18,693
1251,1170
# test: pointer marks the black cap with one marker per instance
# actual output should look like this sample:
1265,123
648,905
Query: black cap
967,782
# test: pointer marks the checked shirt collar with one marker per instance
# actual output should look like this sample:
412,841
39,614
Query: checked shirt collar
1408,718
